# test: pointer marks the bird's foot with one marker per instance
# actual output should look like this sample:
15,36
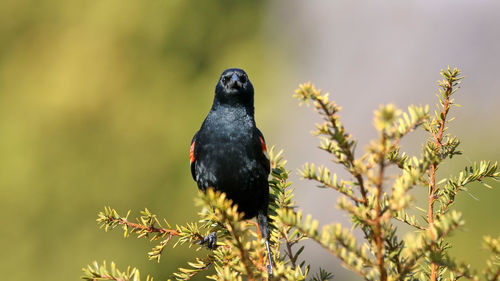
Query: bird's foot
211,240
270,259
270,271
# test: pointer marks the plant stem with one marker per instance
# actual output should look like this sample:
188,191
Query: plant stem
150,229
432,174
245,259
350,196
107,277
430,218
289,250
378,225
346,150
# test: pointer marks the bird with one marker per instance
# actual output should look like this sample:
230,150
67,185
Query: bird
229,153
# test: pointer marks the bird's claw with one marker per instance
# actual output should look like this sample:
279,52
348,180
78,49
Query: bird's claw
270,259
211,240
269,271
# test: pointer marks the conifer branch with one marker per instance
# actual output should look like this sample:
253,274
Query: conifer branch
110,218
379,236
334,238
284,201
197,267
492,271
478,172
337,141
404,218
327,180
97,272
437,128
372,206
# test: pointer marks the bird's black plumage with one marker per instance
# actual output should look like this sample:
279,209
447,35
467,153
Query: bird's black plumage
228,153
228,150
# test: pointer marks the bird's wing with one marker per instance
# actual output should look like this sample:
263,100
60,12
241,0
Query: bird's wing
192,157
264,150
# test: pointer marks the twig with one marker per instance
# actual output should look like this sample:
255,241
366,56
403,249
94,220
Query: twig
289,250
378,225
350,196
398,139
409,223
432,172
348,153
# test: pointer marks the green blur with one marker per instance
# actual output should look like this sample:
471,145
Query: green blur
98,104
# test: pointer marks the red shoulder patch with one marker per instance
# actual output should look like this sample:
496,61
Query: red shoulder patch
191,153
263,144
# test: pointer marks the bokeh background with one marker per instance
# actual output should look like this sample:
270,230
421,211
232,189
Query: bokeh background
99,101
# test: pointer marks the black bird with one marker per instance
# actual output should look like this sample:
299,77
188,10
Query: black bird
229,153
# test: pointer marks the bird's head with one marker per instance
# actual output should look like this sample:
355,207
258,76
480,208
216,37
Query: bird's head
234,87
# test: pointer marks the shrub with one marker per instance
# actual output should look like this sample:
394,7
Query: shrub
373,203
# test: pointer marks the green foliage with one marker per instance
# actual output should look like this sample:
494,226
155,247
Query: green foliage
97,100
240,248
322,275
101,272
373,206
374,200
148,226
492,271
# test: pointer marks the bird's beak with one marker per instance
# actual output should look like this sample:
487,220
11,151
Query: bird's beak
235,82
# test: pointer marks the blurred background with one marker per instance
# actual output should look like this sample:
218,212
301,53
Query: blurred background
99,101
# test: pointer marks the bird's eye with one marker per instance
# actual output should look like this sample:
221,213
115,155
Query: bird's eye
225,79
243,78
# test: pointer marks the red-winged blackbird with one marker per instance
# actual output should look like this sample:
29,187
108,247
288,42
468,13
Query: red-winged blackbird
229,154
